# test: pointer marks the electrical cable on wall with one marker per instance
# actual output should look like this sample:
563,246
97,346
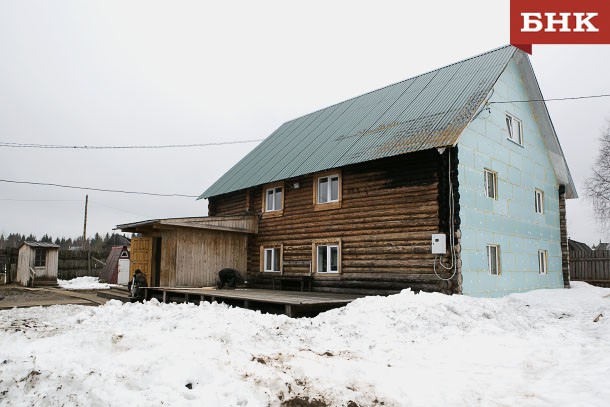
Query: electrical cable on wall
451,231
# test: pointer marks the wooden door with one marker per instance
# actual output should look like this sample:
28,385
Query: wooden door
141,256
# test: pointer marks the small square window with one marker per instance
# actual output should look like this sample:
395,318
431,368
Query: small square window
539,201
493,259
515,129
272,260
543,263
491,184
273,199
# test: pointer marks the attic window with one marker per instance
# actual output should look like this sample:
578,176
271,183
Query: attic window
515,129
41,257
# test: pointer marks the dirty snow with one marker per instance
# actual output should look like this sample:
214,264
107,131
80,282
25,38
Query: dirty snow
541,348
83,283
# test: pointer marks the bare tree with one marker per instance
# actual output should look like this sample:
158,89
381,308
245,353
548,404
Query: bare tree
597,187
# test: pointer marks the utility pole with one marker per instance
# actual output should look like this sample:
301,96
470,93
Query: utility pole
85,245
85,227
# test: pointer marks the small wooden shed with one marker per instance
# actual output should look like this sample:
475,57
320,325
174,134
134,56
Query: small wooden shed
37,264
189,252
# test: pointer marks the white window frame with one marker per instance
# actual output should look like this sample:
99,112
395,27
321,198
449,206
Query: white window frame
543,262
539,201
329,188
493,248
515,129
494,177
272,253
329,246
274,191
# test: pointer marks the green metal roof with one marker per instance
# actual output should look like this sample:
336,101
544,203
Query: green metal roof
427,111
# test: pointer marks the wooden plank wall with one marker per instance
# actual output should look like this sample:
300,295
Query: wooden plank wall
389,211
200,254
591,266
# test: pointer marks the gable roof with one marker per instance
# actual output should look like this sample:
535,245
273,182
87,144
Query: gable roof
427,111
40,244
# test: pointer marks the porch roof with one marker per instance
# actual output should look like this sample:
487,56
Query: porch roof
237,224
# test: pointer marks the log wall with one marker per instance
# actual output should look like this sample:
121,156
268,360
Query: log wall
389,210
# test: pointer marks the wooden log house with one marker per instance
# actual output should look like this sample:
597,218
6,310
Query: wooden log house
452,181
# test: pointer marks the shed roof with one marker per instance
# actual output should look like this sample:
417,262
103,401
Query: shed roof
427,111
41,244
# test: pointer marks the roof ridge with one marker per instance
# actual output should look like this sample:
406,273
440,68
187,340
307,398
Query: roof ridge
404,80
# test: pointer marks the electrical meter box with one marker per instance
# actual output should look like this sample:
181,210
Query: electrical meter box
439,243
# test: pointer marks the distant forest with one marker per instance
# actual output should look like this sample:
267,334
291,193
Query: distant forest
97,243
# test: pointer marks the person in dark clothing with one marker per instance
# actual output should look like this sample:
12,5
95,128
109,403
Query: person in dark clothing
136,284
228,277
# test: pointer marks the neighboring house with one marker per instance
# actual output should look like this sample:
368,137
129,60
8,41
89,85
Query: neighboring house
116,269
354,194
37,264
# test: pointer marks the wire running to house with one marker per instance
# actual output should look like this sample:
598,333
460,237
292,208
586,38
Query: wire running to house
85,147
98,189
551,100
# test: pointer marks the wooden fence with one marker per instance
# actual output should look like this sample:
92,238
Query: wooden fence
591,266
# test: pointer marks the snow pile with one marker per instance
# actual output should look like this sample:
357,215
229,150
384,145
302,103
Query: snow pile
83,283
541,348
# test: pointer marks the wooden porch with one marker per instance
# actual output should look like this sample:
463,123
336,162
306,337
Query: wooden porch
291,303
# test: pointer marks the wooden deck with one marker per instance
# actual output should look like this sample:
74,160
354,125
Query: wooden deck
291,303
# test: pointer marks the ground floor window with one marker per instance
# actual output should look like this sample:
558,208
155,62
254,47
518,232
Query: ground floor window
41,257
542,262
272,259
327,257
493,259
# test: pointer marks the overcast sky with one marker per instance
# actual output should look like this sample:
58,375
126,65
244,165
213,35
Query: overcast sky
180,72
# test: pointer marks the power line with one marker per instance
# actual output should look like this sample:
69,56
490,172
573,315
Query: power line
85,147
97,189
550,100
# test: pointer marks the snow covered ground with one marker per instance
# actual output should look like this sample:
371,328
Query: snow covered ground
83,283
541,348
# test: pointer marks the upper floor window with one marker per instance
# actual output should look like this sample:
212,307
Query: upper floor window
327,191
515,129
272,259
493,259
539,201
41,257
542,262
273,199
491,184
